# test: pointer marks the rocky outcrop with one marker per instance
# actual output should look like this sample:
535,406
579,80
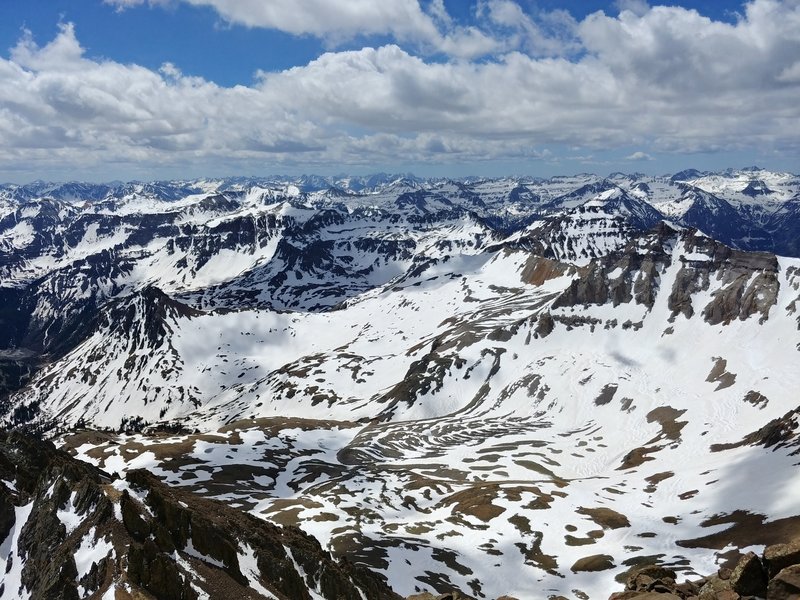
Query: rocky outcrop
747,282
775,575
778,433
741,284
72,531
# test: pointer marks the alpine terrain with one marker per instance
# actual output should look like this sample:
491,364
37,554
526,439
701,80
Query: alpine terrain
378,387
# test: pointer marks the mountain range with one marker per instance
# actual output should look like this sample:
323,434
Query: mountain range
514,386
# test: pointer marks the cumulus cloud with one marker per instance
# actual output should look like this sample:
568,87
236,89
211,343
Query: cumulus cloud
639,156
428,27
338,20
552,34
637,7
668,80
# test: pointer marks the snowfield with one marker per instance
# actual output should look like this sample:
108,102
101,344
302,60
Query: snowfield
528,405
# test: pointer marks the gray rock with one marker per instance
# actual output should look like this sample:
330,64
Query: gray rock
785,585
780,556
749,578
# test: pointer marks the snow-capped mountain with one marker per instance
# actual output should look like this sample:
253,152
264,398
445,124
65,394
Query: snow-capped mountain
513,386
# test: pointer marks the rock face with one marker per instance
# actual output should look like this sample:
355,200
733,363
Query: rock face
71,531
749,283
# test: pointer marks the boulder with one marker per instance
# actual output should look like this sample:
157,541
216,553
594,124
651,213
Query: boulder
748,578
712,587
785,585
647,575
630,595
780,556
641,582
596,562
687,589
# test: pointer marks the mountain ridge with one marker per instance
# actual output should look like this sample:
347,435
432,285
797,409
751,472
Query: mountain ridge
487,377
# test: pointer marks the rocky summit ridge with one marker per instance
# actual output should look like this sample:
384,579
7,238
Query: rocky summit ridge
72,531
481,387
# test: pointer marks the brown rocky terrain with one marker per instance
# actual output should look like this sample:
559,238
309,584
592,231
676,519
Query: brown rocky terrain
775,575
72,532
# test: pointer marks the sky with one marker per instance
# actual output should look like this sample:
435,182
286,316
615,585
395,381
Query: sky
102,90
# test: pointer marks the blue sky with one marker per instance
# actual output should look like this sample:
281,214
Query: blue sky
200,42
183,88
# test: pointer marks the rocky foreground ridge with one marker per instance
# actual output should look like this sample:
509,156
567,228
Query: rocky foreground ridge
775,575
71,532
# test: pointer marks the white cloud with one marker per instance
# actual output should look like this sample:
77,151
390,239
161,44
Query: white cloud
790,74
552,34
639,156
667,81
429,27
346,18
637,7
339,20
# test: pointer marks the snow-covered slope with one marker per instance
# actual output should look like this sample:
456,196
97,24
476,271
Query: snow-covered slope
504,387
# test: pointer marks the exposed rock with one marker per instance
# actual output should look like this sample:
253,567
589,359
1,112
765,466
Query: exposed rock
596,562
713,586
687,283
606,394
740,301
727,595
775,434
687,589
748,578
544,325
590,288
605,517
780,556
651,578
646,285
749,280
785,585
719,374
148,549
447,596
644,596
756,399
538,270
